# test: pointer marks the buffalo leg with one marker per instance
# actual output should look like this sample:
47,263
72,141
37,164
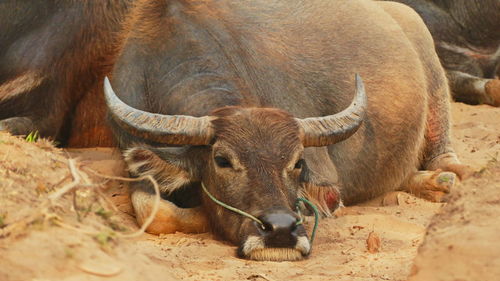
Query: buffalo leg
24,125
474,90
31,103
17,125
440,164
169,218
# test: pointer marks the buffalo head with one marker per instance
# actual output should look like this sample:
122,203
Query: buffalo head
249,158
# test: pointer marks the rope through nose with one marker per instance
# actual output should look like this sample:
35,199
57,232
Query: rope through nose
243,213
316,216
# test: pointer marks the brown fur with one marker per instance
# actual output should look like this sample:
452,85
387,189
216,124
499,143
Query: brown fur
142,21
21,84
248,126
144,162
89,127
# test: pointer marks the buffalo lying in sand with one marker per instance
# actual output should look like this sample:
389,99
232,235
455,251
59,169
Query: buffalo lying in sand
257,103
252,100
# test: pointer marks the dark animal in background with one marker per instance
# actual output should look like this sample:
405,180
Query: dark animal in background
255,100
467,38
53,58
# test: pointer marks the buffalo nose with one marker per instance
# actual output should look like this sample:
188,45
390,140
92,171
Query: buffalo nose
279,229
278,222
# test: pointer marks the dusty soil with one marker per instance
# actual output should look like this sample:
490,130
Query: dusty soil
79,235
462,240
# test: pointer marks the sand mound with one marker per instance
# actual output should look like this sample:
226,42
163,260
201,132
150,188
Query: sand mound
78,235
462,240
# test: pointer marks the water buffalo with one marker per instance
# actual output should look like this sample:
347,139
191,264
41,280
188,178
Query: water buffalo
467,40
256,102
54,55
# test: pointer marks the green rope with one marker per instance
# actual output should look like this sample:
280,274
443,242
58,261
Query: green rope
297,205
229,207
316,216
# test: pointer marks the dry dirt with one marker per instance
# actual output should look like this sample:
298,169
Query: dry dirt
79,235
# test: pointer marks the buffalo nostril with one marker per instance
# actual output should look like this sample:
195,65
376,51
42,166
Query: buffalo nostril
267,227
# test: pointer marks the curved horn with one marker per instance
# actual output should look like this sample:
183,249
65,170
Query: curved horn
322,131
168,129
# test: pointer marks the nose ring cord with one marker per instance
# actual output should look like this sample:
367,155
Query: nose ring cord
297,205
316,215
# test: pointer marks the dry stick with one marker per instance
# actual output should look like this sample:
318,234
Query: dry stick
81,230
156,205
263,276
22,223
77,180
88,183
106,199
99,191
45,205
62,180
69,186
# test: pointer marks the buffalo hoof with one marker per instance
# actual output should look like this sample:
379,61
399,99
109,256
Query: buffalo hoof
493,92
462,171
448,162
17,125
431,185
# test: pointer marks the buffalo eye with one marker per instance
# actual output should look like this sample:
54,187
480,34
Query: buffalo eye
222,162
299,164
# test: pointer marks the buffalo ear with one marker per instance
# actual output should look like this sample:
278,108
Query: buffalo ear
321,192
172,167
319,180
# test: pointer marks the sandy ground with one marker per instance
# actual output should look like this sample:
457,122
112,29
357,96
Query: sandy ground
79,235
462,240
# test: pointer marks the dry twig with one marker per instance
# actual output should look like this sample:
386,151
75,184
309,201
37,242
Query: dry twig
66,188
156,205
373,243
78,176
